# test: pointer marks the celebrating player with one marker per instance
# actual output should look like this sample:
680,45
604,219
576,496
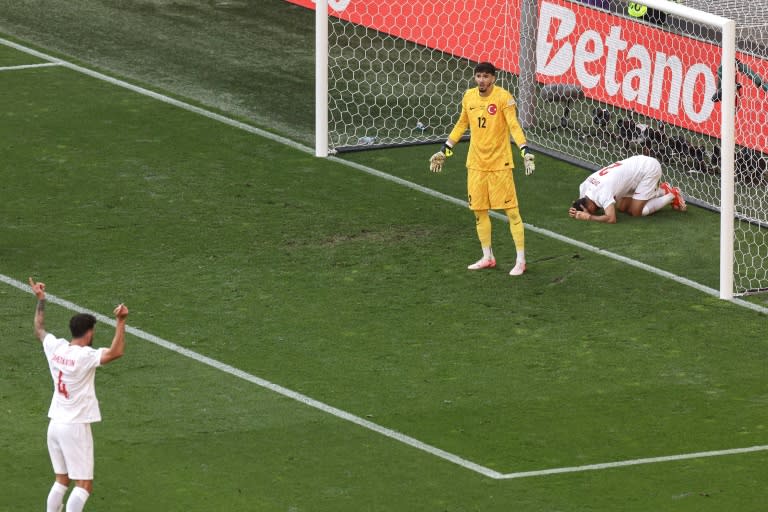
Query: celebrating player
74,405
630,185
490,113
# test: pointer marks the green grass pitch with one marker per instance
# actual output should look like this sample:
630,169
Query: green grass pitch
348,289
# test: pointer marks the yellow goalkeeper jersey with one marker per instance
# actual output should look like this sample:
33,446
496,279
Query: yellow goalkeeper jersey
491,121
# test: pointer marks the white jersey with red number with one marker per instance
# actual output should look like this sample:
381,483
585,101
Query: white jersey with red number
73,369
622,179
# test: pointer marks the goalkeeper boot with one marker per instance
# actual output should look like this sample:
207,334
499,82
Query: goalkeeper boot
678,203
518,269
482,263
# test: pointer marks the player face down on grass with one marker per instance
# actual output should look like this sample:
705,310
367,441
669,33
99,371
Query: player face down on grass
632,186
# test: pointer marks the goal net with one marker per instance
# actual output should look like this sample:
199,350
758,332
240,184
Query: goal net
595,80
751,131
395,68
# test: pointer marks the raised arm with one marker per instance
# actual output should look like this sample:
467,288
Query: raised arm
118,342
39,290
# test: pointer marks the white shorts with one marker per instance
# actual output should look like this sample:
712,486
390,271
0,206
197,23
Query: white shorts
648,188
70,446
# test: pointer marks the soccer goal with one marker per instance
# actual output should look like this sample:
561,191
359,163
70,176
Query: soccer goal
595,80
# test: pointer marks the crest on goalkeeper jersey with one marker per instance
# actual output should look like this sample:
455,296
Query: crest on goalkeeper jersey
492,109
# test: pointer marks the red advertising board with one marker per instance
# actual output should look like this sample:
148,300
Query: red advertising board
645,69
479,30
616,60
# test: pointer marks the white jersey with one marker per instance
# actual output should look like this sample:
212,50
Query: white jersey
73,369
637,176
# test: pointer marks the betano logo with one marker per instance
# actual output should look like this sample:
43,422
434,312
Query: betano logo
615,59
603,61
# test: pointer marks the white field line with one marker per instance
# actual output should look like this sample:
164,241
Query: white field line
29,66
556,236
157,96
338,413
394,179
634,462
415,443
311,402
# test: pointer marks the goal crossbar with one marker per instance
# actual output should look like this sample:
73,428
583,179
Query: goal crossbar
725,26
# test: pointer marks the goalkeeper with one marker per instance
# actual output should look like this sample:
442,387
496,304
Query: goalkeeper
490,113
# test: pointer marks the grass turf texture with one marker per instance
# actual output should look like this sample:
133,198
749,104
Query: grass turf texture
235,56
352,290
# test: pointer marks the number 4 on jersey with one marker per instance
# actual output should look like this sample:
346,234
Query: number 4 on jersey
61,387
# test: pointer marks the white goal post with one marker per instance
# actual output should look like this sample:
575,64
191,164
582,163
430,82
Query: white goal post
727,126
392,73
321,78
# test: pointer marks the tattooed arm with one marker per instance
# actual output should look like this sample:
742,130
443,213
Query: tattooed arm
39,290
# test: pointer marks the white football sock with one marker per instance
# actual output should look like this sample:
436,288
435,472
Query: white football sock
77,499
56,497
487,253
657,203
521,256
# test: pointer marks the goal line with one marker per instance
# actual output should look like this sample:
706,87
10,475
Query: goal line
320,405
301,147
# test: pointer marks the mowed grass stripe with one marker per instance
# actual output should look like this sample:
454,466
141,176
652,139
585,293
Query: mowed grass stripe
231,370
493,474
392,434
433,193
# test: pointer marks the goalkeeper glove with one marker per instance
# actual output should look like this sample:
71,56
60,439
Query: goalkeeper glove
528,160
437,160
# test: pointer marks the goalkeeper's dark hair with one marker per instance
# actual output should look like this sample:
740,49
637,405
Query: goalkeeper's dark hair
485,67
81,324
580,204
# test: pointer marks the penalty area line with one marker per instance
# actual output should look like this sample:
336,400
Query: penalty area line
369,425
388,177
29,66
634,462
271,386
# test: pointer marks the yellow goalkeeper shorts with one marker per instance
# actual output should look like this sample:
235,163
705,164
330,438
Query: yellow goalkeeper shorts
491,190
